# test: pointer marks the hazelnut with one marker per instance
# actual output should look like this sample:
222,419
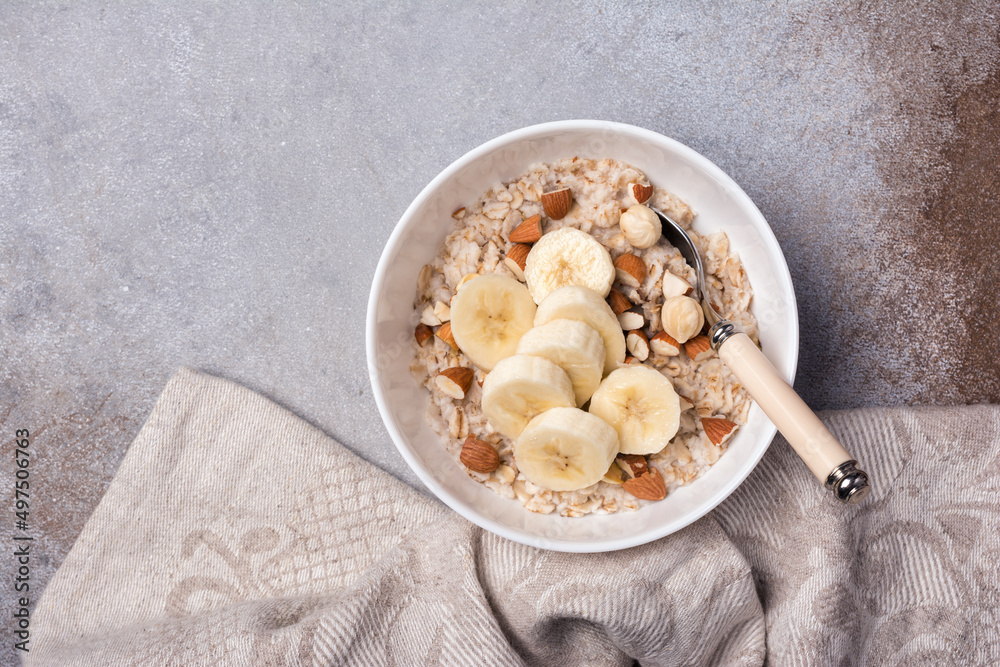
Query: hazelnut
682,318
641,226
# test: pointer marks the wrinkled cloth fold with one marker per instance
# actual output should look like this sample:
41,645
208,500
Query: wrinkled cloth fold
234,533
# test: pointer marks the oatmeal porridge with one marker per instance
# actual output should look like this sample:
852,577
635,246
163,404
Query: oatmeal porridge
573,373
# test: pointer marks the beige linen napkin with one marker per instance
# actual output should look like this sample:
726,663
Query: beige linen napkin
235,533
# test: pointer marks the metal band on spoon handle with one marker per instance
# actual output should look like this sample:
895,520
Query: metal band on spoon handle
808,436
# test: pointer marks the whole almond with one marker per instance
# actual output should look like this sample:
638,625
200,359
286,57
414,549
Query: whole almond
647,487
528,231
479,456
717,429
630,270
557,203
454,381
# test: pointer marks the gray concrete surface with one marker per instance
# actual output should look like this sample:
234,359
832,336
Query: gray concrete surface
211,185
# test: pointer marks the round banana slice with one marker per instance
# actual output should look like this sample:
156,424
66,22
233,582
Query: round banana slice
642,406
520,387
573,346
565,449
584,305
488,317
568,256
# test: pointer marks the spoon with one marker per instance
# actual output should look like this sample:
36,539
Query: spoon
811,440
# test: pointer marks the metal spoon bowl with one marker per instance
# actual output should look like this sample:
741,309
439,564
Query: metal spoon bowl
807,435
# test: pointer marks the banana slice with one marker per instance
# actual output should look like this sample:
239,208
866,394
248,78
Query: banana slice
584,305
642,406
568,256
488,317
565,449
520,387
573,346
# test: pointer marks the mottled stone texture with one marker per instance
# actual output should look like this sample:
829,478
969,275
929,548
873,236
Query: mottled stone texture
212,184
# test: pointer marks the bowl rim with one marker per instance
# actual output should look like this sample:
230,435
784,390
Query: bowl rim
378,282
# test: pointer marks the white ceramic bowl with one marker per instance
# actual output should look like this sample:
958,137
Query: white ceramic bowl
720,204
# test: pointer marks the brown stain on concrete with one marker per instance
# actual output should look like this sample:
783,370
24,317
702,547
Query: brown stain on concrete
962,232
917,275
904,96
941,169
